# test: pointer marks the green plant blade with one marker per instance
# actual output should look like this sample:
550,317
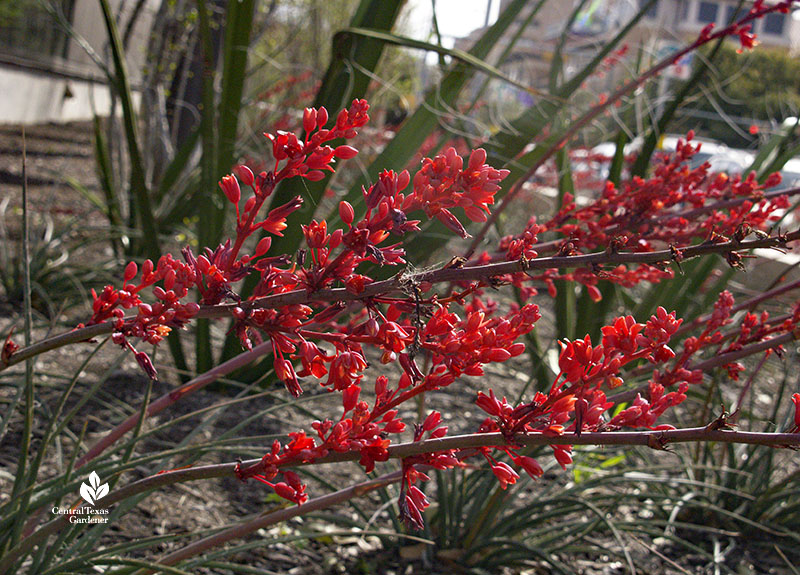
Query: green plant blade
138,183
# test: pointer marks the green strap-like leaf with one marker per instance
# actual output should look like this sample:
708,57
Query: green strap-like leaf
454,53
138,183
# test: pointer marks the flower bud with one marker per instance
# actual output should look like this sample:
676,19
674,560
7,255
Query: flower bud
381,383
403,179
336,239
230,185
245,174
350,397
169,280
322,117
499,354
432,421
203,264
394,426
130,272
516,349
345,152
346,212
283,490
263,247
531,466
309,120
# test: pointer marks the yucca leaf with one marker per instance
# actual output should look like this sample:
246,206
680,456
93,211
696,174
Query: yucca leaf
454,53
138,183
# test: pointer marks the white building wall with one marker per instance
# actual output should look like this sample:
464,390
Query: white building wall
30,94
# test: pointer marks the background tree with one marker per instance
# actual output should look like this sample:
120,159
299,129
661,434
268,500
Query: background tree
746,88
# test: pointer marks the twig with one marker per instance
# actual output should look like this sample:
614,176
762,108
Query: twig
653,439
441,275
173,396
247,527
160,405
715,361
748,305
552,246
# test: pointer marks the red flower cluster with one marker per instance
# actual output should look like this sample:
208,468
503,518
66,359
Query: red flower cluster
153,321
442,184
456,347
308,341
674,208
576,401
359,429
463,346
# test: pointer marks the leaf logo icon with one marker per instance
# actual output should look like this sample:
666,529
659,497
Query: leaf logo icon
94,491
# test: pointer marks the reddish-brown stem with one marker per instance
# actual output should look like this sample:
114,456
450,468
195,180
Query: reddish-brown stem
748,384
748,305
163,403
443,275
172,397
751,349
715,361
261,521
653,439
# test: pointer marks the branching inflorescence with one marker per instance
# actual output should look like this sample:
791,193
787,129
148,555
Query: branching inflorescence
628,235
309,341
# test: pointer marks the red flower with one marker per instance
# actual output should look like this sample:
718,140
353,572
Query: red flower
346,370
505,474
622,336
276,220
316,234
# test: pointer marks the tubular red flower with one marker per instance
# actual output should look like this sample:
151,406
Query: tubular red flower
230,186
